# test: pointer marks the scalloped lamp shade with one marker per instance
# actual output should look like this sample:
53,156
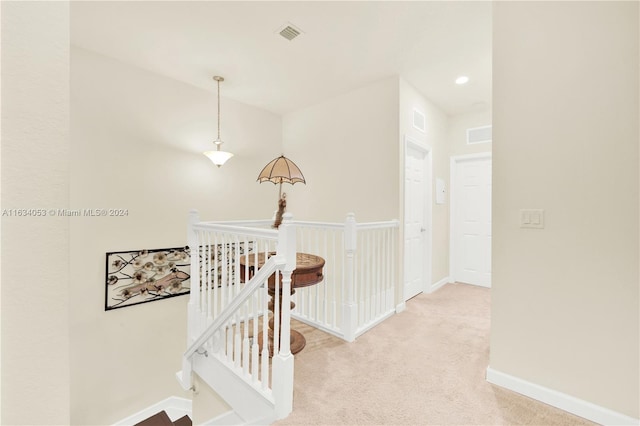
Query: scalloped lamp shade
281,170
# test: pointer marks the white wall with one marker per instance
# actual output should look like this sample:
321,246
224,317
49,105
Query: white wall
435,136
207,404
136,140
565,311
35,271
347,149
457,133
350,149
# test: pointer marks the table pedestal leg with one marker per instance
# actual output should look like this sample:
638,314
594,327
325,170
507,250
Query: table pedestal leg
297,341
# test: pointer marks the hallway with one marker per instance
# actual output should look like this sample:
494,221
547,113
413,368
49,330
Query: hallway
423,366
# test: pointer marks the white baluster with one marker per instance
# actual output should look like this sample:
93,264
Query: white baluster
349,312
229,266
362,271
192,239
302,305
236,289
370,294
385,270
276,312
209,280
316,288
245,331
265,335
216,265
325,307
224,270
373,268
394,237
377,249
284,327
363,279
229,250
229,353
255,348
334,286
359,287
388,276
237,341
236,267
283,361
382,271
203,275
203,288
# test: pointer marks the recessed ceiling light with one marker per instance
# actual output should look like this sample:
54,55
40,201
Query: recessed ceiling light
463,79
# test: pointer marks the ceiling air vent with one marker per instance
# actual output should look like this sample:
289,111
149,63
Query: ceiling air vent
289,31
479,135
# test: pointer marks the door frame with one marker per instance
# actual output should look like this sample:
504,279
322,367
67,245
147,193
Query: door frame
453,167
411,142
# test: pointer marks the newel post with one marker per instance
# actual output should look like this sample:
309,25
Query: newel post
193,311
349,305
283,361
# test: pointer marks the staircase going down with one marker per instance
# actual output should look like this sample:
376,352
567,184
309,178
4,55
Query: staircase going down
229,335
162,419
240,270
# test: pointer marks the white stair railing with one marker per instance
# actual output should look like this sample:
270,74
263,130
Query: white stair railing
320,305
228,310
360,275
374,281
233,264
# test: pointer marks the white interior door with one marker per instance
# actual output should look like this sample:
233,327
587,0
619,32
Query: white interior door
417,223
471,214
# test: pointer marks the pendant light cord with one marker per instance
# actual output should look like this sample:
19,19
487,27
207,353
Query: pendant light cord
218,113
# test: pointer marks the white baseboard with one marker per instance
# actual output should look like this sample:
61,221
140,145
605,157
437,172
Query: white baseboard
231,418
560,400
401,307
175,407
361,330
225,419
437,285
482,285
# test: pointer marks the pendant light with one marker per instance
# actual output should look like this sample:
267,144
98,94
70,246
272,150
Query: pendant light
218,157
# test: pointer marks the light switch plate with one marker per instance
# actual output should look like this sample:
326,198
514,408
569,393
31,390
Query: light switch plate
532,218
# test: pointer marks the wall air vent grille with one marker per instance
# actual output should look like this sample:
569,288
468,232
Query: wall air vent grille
419,121
289,31
479,135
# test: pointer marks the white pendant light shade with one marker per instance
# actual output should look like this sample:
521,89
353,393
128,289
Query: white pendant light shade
218,157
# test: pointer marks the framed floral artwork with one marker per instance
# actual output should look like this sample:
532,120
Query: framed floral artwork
141,276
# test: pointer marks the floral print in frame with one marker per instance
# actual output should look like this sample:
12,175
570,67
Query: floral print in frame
134,277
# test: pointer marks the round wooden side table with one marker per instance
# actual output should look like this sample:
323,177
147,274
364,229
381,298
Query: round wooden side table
307,273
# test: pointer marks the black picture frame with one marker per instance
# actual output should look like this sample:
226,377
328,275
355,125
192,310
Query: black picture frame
141,276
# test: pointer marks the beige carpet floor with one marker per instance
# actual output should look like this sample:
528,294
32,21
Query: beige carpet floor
424,366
